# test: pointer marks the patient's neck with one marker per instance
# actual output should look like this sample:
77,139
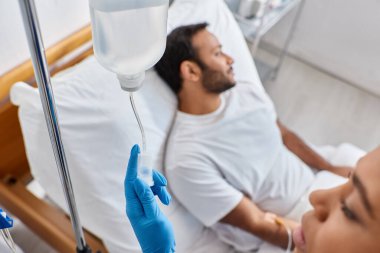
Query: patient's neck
198,102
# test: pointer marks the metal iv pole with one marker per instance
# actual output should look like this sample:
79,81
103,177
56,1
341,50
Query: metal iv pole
42,75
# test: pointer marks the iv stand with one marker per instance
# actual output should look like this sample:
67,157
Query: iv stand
42,75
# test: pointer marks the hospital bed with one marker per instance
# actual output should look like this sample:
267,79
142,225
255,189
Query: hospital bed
49,222
98,129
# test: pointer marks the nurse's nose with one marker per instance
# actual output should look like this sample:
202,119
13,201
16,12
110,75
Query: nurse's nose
323,201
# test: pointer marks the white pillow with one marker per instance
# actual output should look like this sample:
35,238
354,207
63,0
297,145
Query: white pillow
98,129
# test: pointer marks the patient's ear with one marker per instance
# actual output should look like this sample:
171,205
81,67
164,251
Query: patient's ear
190,71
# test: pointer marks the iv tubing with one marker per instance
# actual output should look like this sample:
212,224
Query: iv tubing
8,239
138,121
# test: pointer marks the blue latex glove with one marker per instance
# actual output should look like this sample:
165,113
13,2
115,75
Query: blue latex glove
153,230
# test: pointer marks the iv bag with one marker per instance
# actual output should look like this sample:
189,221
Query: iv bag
129,36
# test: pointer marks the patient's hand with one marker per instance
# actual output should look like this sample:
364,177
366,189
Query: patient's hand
271,217
287,224
343,171
153,230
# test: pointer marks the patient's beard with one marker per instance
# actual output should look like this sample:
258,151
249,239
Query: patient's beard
215,81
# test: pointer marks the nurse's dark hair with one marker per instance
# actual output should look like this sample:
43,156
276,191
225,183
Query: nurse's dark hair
179,48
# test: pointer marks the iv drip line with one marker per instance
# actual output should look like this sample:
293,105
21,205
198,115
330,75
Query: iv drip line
138,121
8,239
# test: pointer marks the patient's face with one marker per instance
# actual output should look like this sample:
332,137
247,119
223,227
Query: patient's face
217,74
347,218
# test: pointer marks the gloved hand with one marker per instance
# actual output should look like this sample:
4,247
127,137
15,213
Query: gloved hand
153,230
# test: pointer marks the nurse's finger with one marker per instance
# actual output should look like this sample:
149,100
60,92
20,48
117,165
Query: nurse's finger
162,194
146,197
134,207
159,179
133,164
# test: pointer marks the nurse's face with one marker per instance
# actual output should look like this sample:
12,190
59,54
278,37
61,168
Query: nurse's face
345,219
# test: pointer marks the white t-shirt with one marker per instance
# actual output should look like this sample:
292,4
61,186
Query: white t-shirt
213,159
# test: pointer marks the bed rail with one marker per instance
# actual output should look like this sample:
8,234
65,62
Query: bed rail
47,221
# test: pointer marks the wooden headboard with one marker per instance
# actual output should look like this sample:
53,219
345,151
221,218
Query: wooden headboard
45,220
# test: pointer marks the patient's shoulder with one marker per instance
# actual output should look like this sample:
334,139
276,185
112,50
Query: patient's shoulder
186,151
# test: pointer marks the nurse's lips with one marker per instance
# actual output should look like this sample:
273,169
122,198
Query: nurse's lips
299,239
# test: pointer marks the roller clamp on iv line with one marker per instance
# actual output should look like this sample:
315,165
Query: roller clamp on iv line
6,222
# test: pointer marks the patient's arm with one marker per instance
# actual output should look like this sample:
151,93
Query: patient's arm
247,216
308,155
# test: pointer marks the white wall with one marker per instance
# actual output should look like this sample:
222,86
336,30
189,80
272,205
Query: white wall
58,18
340,36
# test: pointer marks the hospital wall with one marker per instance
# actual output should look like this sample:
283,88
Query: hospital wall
57,18
339,36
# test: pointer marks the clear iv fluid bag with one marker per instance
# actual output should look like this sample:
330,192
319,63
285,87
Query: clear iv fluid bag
129,36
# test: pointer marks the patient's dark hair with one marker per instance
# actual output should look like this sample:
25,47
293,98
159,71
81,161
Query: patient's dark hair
179,48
